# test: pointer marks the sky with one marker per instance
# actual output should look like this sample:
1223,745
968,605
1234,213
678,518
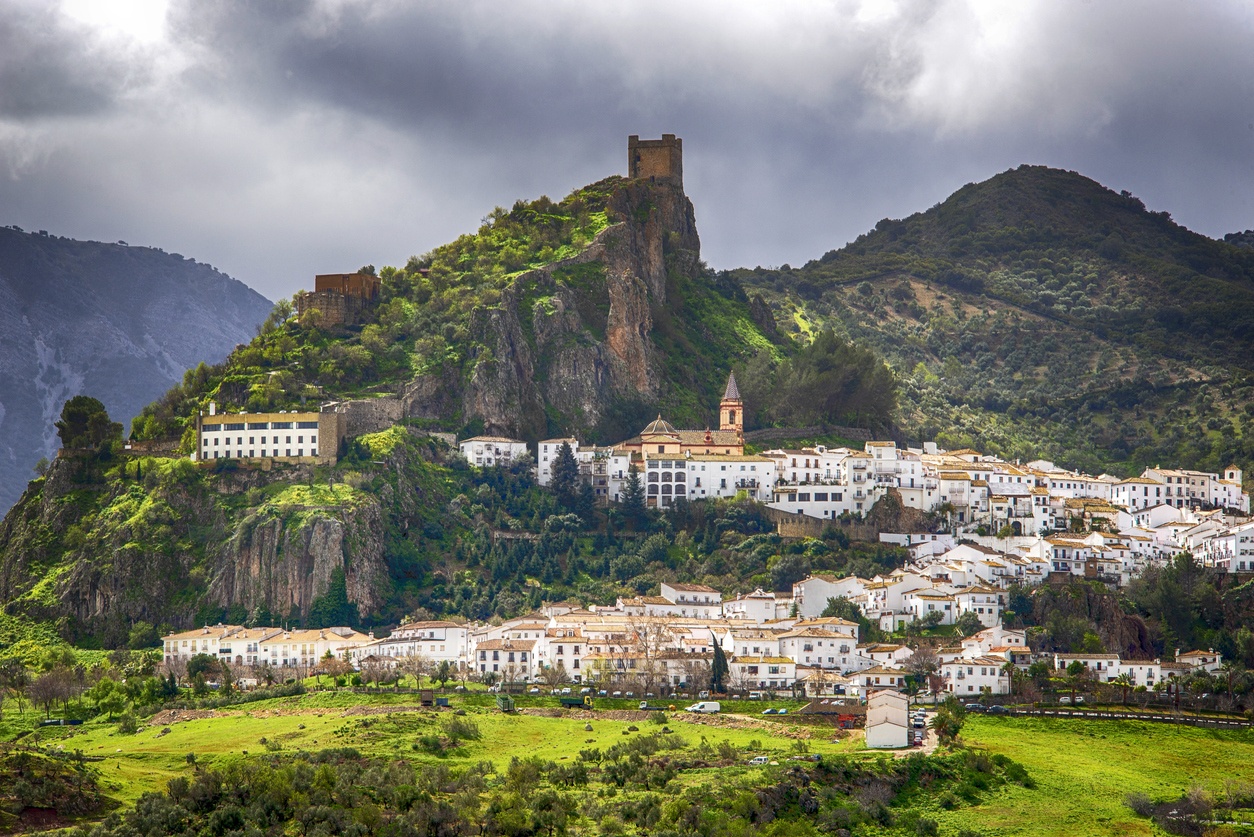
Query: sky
280,139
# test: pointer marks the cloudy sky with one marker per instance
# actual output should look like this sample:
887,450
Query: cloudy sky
279,139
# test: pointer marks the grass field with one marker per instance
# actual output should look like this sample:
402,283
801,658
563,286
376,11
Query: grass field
145,761
1084,769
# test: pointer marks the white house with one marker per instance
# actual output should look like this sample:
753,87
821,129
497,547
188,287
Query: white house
887,720
971,676
488,451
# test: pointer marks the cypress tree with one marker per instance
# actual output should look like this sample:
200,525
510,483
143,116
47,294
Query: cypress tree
719,668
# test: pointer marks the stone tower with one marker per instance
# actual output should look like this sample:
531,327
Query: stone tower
731,410
660,159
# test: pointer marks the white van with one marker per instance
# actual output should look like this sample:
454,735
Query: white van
707,706
760,760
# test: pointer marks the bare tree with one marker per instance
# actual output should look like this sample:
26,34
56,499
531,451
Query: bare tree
696,672
178,667
50,687
414,665
555,675
652,637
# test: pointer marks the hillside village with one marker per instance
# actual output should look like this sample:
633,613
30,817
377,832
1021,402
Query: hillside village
1008,524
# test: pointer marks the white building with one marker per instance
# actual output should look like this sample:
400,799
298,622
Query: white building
489,451
887,720
290,436
968,677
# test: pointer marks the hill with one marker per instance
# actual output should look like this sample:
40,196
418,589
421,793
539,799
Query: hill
1040,314
587,315
120,323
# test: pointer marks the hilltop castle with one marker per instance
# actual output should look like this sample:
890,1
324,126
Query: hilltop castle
656,159
340,298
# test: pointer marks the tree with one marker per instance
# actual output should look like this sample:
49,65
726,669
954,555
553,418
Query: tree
1124,682
204,665
634,509
143,635
969,623
14,679
948,720
565,476
922,664
415,666
554,675
445,672
85,425
51,687
1077,672
719,668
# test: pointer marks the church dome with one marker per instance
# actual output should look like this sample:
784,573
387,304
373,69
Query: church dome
658,425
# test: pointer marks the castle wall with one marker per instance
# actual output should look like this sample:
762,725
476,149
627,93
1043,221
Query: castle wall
360,285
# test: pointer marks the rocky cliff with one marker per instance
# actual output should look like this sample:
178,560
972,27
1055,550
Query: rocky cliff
96,546
573,341
116,322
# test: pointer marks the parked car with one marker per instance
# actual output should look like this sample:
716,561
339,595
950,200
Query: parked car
586,690
760,760
708,707
768,711
998,710
917,723
618,693
974,707
566,690
534,690
703,695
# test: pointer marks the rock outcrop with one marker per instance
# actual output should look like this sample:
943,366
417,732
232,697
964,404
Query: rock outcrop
571,338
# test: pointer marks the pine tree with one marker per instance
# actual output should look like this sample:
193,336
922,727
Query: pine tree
566,476
633,498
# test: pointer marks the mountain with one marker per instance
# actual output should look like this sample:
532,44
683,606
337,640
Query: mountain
580,317
116,322
586,315
1040,314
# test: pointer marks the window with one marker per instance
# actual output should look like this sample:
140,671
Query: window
307,425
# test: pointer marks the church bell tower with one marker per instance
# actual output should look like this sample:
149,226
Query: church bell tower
731,410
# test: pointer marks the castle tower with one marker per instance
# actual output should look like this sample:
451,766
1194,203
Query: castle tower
661,159
731,410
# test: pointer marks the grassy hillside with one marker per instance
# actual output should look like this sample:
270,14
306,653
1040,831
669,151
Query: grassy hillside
521,303
1040,314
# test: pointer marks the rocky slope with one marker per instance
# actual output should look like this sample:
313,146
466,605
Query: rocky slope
97,546
624,316
116,322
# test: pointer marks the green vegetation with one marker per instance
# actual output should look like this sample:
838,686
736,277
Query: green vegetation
1039,314
1083,772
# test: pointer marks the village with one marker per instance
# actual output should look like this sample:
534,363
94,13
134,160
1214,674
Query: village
1008,524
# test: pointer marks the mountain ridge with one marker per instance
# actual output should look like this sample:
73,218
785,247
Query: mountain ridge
117,322
1039,313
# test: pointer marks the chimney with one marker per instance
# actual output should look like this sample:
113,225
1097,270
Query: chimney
213,408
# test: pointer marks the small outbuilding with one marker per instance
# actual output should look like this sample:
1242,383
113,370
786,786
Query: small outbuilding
887,720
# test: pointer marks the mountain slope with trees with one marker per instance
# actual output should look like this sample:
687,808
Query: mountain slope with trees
1041,314
121,323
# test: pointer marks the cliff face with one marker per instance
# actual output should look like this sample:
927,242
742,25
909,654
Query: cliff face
96,546
116,322
571,339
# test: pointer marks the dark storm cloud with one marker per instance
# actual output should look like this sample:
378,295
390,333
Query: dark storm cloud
50,66
284,138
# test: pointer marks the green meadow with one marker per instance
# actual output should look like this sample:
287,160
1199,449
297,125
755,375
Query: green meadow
1084,770
1081,771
